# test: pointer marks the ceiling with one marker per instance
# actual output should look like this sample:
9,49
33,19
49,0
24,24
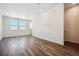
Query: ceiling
24,10
70,5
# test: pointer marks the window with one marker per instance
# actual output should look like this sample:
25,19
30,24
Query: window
22,25
17,24
13,24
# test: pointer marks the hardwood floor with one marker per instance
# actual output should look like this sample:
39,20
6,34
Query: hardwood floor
31,46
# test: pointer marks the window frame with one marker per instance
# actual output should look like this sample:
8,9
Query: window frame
19,24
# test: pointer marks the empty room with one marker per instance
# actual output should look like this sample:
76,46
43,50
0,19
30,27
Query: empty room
39,29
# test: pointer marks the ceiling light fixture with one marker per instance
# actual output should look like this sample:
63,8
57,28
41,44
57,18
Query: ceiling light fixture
39,4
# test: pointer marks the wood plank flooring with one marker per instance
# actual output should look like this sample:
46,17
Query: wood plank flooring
31,46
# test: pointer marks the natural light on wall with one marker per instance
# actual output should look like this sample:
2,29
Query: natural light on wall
30,25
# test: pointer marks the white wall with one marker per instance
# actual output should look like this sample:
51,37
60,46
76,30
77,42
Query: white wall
9,33
1,29
49,25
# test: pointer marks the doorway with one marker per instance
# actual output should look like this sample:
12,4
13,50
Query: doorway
71,24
